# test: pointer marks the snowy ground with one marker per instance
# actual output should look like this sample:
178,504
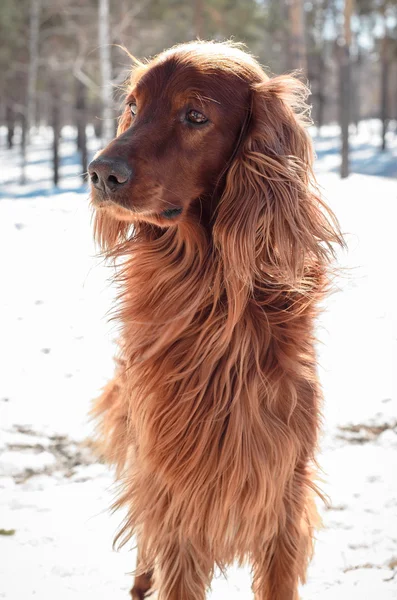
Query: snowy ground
56,350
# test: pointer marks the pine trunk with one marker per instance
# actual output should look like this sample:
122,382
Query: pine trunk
344,96
23,148
297,31
34,29
106,72
384,91
321,79
10,121
81,119
56,128
345,89
198,19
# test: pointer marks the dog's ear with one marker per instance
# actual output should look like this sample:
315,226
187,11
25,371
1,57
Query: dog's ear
271,224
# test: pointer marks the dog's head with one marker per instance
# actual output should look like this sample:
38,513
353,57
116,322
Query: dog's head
206,136
184,113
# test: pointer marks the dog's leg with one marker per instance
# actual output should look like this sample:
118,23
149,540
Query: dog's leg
277,577
143,583
278,580
142,586
184,574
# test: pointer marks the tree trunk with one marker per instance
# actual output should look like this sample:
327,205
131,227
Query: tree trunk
23,148
345,88
34,27
97,121
321,79
79,107
198,19
81,118
297,32
97,129
356,105
10,120
344,96
384,104
384,111
106,72
56,129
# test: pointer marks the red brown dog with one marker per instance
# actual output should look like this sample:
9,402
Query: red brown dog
212,418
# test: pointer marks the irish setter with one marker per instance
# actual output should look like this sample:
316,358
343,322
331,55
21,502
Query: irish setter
207,201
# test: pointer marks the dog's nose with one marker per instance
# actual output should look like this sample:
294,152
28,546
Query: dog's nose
109,174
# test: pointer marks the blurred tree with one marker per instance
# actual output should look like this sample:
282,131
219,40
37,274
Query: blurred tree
298,56
34,32
106,71
283,35
10,122
385,73
14,23
317,17
14,58
198,19
56,127
276,43
345,85
81,122
382,17
356,86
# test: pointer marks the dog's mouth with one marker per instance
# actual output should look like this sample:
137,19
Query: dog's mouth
171,213
126,213
102,200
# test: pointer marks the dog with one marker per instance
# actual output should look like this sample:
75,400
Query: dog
207,202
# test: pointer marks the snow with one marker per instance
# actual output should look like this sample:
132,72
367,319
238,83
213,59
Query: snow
365,157
56,350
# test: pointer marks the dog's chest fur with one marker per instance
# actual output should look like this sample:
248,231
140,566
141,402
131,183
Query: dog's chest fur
213,424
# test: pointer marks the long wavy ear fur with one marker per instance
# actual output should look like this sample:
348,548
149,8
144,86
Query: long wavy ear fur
271,223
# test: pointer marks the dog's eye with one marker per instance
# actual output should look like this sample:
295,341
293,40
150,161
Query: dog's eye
133,108
196,117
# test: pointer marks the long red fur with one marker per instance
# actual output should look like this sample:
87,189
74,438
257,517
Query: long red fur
213,415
